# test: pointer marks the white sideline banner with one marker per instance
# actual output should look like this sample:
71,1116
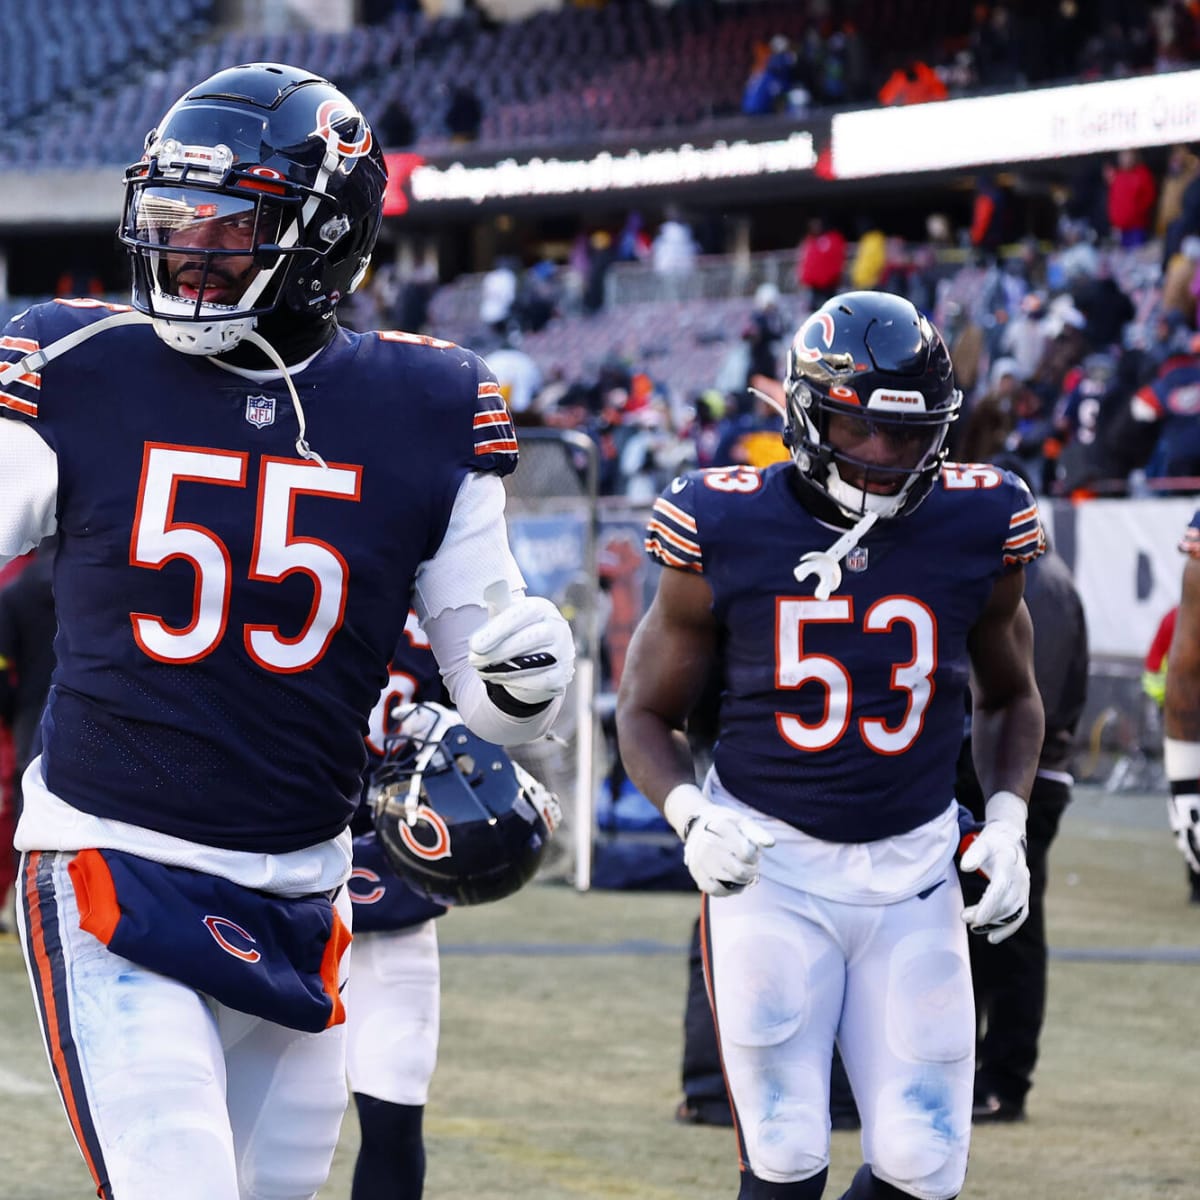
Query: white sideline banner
1057,122
1128,568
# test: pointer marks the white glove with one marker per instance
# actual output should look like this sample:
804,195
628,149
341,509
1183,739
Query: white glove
1183,812
998,854
1182,762
526,648
721,848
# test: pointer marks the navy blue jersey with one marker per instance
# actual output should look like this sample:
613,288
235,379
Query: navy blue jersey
228,609
844,716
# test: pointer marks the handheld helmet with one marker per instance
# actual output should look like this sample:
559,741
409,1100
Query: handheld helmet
870,362
481,822
261,190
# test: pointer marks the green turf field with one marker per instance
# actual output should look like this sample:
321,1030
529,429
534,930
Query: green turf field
562,1031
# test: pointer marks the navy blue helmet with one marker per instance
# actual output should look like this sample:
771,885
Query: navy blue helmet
458,820
870,359
260,190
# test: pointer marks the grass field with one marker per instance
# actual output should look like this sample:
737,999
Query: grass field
562,1034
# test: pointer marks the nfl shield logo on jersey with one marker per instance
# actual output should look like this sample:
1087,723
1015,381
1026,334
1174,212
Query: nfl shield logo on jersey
260,410
856,560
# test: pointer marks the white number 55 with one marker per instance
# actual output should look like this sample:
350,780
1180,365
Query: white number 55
158,538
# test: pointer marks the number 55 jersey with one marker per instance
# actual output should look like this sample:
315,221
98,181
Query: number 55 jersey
843,716
227,608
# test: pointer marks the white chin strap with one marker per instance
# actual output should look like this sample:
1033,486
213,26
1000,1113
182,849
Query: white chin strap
200,337
855,501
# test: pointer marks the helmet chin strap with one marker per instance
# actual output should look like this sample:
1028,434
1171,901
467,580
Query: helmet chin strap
257,340
826,564
37,359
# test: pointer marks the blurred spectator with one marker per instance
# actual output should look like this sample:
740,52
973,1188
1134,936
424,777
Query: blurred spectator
820,261
1010,978
537,296
753,436
989,212
1182,167
1132,192
994,47
1026,334
993,417
708,410
1170,405
633,242
464,114
870,256
673,253
1105,307
915,83
763,333
771,77
1075,258
395,127
1086,199
1178,296
600,256
519,376
964,336
498,294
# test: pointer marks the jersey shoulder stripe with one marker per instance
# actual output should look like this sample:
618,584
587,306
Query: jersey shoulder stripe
671,537
18,392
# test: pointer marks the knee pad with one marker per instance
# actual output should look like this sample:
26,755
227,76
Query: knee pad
753,1188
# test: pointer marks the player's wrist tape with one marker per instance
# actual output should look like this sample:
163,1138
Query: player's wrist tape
1181,761
682,806
506,702
1007,807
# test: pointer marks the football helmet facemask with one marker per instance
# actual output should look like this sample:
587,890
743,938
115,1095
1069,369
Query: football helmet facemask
480,822
867,372
261,190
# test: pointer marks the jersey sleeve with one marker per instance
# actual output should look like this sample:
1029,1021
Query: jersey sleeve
28,463
672,533
1026,538
495,437
19,389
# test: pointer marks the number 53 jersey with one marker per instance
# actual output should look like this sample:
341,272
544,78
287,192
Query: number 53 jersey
227,608
844,716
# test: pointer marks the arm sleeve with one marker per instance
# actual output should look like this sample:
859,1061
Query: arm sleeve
448,597
28,489
474,552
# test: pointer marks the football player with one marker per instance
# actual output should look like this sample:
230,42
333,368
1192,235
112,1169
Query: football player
246,497
459,845
1181,713
847,597
392,1013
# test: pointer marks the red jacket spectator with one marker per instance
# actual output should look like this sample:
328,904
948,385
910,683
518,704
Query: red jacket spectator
821,261
1132,192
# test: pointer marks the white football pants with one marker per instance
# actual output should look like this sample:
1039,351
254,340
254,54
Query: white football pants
789,972
168,1093
392,1014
